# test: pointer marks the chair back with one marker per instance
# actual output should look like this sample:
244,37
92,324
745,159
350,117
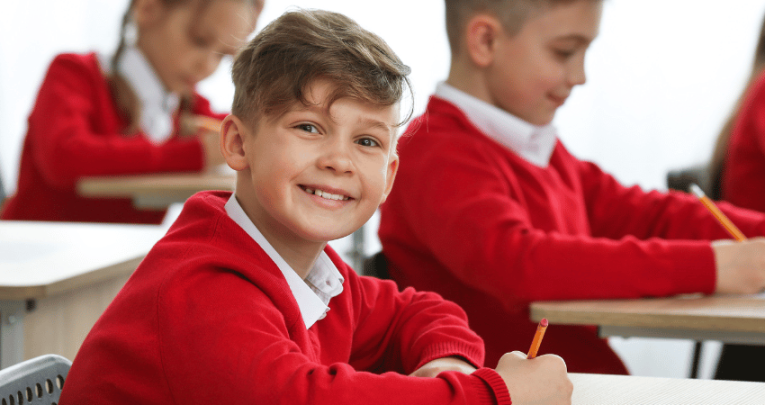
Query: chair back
34,381
700,175
377,266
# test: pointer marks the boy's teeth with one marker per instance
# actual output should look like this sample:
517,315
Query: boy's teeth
324,194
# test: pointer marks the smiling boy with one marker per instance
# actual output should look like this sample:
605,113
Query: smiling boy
491,211
243,301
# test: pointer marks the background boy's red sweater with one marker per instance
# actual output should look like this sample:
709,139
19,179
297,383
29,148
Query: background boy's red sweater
743,176
208,318
473,221
75,130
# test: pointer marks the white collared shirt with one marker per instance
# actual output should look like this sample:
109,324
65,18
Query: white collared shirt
313,294
533,143
157,105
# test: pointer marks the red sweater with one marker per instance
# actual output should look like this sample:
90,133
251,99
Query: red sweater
743,177
473,221
75,130
208,318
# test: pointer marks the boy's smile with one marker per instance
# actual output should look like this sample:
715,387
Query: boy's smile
315,173
531,73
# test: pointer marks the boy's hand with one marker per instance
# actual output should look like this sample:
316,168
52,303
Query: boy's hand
433,368
740,266
211,146
542,380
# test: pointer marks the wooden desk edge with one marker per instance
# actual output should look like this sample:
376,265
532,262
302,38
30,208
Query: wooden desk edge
62,286
644,320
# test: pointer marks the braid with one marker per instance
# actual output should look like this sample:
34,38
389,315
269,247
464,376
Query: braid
124,96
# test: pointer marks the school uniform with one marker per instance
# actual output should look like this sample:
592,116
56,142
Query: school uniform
214,315
494,213
76,130
743,174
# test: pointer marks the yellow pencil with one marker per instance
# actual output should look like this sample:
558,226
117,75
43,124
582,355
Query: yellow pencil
541,328
724,221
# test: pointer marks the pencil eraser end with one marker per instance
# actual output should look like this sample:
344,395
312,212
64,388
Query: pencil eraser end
543,322
696,190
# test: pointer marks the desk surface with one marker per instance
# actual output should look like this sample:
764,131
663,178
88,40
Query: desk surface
156,191
39,259
735,319
595,389
732,313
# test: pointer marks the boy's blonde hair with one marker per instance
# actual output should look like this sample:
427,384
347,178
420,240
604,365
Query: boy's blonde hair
511,13
273,71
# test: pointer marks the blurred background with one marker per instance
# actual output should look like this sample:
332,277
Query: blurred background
662,78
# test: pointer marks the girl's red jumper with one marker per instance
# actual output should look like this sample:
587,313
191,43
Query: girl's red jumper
75,130
209,318
743,176
473,221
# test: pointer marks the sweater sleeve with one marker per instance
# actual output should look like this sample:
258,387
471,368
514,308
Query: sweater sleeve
401,331
482,232
242,351
616,211
67,147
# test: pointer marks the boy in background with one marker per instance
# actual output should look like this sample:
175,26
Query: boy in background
491,211
243,301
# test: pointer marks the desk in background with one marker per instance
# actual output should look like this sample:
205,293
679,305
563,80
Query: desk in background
155,191
56,278
730,319
597,389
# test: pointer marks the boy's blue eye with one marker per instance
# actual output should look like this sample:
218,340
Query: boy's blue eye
308,128
368,142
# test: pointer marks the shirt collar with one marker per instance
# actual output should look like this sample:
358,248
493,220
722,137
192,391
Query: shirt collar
157,105
313,294
533,143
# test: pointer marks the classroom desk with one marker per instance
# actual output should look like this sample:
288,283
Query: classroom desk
730,319
596,389
155,191
56,278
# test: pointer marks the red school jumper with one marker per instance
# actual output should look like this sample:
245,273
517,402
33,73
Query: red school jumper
473,221
209,318
743,176
75,130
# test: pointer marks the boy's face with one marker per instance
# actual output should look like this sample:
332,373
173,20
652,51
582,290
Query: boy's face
534,71
318,174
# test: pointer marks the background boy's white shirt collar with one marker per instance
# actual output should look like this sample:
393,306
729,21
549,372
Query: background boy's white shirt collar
157,105
313,294
533,143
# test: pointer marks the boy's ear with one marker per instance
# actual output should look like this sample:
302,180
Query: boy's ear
481,36
233,135
391,176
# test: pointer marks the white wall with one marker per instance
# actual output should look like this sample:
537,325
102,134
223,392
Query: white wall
662,78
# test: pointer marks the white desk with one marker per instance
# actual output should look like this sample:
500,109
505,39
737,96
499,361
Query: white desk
56,262
596,389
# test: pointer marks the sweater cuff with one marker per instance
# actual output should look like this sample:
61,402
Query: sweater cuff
500,394
470,353
698,272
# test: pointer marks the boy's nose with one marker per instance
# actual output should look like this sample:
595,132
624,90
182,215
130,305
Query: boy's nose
336,159
577,76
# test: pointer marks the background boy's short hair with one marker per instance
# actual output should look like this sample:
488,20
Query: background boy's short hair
274,69
511,13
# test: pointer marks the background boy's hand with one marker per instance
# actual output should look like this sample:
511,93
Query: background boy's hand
433,368
740,266
542,380
211,146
